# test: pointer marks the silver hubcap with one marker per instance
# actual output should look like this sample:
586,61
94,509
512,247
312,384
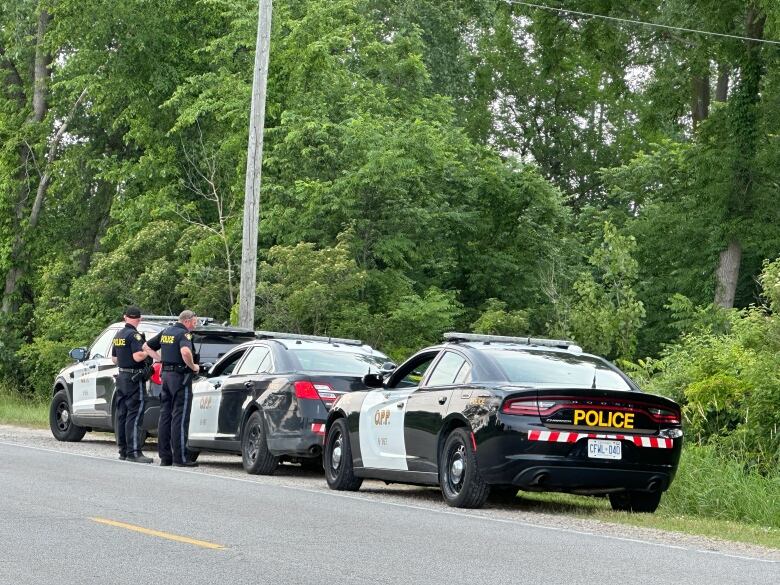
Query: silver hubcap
457,469
335,458
64,416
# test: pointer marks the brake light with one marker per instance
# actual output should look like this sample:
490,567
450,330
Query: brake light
306,390
661,415
527,406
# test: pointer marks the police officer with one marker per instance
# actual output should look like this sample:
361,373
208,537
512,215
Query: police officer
177,356
127,353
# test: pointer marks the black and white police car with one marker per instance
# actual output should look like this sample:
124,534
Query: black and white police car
83,392
268,399
481,413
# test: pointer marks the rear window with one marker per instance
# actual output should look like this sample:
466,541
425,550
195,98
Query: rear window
212,348
339,362
557,370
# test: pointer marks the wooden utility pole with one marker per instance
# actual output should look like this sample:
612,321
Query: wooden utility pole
254,164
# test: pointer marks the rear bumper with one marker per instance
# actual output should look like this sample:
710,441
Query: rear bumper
305,443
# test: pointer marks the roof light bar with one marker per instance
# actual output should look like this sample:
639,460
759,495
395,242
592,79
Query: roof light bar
453,336
299,337
174,318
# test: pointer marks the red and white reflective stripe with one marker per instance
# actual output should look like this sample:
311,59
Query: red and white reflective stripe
318,428
564,437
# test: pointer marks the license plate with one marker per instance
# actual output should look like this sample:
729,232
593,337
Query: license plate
599,449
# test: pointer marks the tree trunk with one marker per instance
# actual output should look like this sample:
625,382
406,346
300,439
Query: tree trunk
728,274
722,88
700,98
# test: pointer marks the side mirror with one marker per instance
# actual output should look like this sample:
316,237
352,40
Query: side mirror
373,380
387,367
79,354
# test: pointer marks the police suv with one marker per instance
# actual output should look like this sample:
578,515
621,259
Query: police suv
484,413
83,395
268,399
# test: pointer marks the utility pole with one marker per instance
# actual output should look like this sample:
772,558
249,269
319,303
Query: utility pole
254,164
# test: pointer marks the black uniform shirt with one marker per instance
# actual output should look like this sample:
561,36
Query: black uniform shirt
127,342
169,343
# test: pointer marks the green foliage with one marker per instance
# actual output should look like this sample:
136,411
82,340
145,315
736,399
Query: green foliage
606,314
496,320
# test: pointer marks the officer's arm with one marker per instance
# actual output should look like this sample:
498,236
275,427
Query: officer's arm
113,354
186,355
152,347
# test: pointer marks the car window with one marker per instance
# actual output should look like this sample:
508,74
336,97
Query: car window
102,345
557,370
253,360
446,369
411,372
266,366
209,348
341,362
464,375
226,367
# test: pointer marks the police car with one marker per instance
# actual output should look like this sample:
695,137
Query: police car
83,396
268,399
484,413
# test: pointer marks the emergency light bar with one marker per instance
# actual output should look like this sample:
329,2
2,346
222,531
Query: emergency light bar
453,336
174,318
299,337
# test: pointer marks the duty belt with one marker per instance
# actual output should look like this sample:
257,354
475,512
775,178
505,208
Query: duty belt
130,370
175,367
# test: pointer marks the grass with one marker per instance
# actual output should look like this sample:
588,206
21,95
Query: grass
24,411
712,496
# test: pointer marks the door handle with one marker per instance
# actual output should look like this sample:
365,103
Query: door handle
400,405
248,385
217,385
442,400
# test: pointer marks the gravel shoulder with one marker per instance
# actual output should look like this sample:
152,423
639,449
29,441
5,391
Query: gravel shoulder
102,445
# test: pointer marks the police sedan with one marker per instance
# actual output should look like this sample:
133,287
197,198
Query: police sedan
268,399
83,394
484,413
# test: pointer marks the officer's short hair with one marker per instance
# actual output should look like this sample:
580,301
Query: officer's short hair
186,315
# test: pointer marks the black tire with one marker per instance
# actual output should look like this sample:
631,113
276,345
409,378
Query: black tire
503,494
634,501
337,459
61,420
256,457
192,455
459,478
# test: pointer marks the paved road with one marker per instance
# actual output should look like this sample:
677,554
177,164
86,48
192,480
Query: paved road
66,516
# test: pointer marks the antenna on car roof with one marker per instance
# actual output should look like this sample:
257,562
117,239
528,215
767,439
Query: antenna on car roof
300,337
455,337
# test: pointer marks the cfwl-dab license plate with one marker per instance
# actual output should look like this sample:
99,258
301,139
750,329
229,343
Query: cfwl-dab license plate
599,449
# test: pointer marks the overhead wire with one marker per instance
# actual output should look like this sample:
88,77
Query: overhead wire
641,22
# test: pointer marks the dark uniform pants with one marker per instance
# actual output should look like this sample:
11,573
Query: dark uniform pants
175,403
129,414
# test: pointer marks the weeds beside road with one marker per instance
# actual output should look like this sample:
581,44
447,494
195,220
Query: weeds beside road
712,495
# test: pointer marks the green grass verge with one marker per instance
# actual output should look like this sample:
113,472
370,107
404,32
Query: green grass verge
24,411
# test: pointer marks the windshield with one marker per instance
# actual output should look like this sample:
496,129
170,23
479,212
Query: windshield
557,369
341,362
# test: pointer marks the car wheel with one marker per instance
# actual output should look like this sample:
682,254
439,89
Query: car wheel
61,421
337,459
634,501
460,480
257,459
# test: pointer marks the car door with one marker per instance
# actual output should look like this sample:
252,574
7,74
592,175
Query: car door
207,397
381,422
427,406
94,382
238,390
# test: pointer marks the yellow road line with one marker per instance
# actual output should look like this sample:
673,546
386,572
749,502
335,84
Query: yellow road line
157,533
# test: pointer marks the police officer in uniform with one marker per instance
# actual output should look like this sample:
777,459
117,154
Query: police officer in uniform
127,353
178,367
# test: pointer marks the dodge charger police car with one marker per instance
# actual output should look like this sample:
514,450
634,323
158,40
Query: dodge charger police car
83,395
481,413
268,399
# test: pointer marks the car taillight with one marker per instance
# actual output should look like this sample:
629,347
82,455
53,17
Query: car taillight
306,390
662,415
527,406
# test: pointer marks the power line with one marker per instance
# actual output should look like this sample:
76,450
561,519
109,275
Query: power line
641,22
